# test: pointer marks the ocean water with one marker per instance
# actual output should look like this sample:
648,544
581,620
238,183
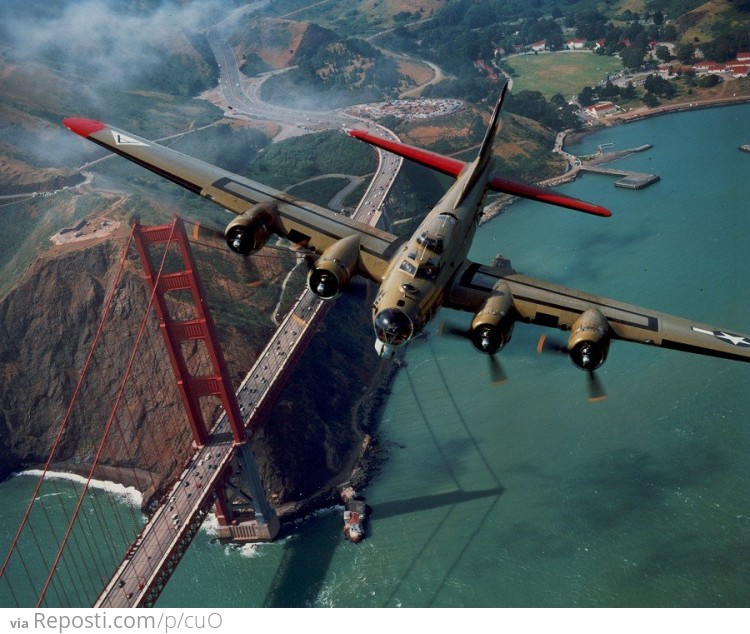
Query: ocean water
526,494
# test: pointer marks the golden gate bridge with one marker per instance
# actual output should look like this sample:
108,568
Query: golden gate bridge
176,428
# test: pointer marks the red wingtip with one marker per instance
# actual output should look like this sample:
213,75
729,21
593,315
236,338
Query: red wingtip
83,127
534,192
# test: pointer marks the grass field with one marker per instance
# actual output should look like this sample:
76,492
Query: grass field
564,72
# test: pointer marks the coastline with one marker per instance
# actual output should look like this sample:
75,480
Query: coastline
128,492
571,137
640,114
366,455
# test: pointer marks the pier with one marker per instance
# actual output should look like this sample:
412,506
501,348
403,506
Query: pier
627,179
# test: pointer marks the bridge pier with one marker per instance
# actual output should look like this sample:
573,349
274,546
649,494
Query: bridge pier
243,511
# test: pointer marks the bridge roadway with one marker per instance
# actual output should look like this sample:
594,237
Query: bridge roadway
157,550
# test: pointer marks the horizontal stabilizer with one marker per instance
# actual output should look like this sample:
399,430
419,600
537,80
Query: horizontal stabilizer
433,160
544,195
452,167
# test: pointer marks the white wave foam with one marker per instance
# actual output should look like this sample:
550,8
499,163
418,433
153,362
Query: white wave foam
210,525
338,508
128,495
249,551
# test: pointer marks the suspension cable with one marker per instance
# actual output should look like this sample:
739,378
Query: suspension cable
69,411
111,420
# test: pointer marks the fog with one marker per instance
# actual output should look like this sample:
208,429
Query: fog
96,49
100,41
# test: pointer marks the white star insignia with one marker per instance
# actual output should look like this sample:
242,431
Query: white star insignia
735,340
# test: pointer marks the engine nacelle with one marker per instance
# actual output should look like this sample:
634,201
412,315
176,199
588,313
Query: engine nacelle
492,326
335,268
250,231
588,345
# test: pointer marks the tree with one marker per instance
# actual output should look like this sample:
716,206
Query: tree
555,41
586,96
558,100
650,100
632,56
532,104
608,91
590,25
709,81
662,53
685,52
659,86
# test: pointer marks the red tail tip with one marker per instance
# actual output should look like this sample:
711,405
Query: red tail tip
83,127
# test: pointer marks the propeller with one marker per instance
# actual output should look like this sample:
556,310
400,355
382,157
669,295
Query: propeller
497,373
596,389
547,345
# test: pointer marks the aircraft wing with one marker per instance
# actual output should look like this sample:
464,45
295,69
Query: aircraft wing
304,223
547,304
453,167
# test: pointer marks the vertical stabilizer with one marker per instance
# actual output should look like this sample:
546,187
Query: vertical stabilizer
480,164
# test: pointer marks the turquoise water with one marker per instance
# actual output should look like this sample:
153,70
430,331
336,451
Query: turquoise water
108,519
526,494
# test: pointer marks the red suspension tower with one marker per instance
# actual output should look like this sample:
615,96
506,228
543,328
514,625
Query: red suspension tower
188,322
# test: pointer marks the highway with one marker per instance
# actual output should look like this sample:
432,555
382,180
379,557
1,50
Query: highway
168,532
242,94
176,520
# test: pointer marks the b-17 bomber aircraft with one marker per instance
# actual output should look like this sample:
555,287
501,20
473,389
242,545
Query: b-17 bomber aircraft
429,270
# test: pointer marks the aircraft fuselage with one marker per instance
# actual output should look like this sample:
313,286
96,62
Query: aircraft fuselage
415,282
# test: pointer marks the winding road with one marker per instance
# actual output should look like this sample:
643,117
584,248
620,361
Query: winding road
242,97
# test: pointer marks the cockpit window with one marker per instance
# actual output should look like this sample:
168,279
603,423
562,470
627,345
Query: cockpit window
408,267
428,271
431,241
393,327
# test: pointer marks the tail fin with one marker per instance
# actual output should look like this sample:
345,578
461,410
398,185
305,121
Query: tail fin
485,152
479,166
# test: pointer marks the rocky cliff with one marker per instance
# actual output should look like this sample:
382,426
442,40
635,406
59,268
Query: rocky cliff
47,325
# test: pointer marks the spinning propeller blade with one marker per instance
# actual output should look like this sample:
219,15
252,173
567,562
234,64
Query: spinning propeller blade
547,345
496,371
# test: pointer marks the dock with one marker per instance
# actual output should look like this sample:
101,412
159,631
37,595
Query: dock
627,179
